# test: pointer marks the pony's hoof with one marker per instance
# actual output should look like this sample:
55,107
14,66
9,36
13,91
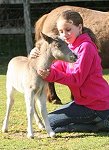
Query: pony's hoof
41,127
30,136
4,130
52,134
57,101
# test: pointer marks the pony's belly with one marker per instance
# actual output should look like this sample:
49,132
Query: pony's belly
16,76
18,88
22,81
15,81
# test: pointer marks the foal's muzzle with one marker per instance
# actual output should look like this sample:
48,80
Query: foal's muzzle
72,57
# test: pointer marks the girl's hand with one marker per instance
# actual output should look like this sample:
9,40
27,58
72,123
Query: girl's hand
43,73
34,52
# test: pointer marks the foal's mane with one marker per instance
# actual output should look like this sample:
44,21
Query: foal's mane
41,45
38,48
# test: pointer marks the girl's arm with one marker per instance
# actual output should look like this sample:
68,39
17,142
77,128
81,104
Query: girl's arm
80,71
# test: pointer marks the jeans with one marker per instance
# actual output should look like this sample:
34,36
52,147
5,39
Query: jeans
73,117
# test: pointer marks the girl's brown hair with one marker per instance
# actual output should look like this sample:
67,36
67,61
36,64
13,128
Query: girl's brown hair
75,18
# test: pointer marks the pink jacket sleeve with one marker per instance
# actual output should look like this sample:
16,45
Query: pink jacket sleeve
77,75
59,65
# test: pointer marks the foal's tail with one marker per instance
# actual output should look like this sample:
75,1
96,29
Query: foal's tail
39,27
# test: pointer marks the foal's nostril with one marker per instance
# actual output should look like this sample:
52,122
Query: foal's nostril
73,57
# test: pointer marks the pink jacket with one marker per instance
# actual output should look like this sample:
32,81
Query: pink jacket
85,78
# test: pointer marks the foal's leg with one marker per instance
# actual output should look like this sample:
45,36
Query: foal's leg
37,119
29,99
41,99
10,102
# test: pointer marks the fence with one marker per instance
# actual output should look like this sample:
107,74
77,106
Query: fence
12,28
12,23
12,37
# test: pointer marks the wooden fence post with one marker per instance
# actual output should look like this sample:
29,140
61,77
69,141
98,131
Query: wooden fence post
28,28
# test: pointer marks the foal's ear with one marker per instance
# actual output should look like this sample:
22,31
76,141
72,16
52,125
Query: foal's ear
46,38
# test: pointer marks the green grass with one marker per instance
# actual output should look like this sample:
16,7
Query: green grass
16,138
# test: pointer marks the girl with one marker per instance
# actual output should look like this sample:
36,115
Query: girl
89,111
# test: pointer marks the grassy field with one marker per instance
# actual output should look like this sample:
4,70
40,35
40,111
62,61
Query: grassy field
16,138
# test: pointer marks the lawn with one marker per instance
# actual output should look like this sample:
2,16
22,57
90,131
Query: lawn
16,138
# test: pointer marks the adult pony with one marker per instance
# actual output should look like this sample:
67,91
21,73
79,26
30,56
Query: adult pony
22,76
97,21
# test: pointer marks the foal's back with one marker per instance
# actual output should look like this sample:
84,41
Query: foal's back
20,73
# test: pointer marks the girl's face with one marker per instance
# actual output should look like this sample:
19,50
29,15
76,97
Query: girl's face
68,31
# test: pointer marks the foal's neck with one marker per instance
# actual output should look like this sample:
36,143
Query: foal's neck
45,59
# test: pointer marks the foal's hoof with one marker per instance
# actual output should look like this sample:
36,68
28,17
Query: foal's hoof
52,134
4,130
41,127
30,136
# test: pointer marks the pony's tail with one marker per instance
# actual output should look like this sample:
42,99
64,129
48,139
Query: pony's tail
92,36
39,27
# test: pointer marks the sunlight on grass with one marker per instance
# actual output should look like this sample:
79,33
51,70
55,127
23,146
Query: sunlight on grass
16,137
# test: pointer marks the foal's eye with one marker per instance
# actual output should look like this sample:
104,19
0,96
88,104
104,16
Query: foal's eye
58,45
68,30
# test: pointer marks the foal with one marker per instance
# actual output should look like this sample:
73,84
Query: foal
22,76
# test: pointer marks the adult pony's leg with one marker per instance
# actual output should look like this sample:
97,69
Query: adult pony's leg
10,102
41,101
51,94
29,99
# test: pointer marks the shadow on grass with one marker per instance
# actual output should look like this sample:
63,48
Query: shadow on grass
42,134
83,135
